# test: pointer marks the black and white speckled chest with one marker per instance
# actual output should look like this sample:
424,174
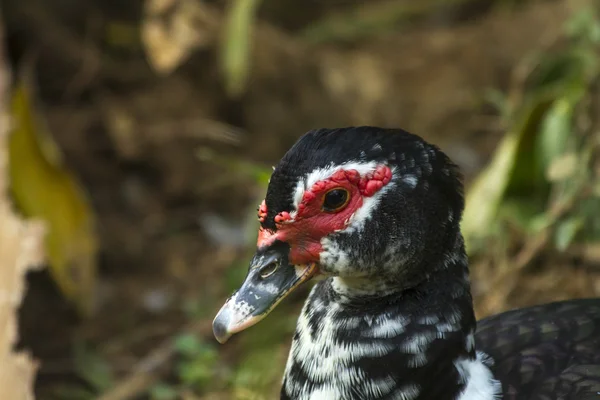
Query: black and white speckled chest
401,347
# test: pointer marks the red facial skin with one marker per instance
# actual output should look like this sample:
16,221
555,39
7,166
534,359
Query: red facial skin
262,212
304,231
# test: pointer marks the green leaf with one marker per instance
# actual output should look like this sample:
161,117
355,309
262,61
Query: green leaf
511,172
264,353
367,19
584,25
197,373
235,50
198,368
70,392
523,213
516,169
566,231
487,190
563,167
92,367
541,222
163,391
188,344
540,155
499,100
554,133
259,173
588,210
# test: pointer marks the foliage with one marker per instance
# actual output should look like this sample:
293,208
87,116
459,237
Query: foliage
263,352
92,368
238,167
371,19
235,51
44,188
196,368
542,179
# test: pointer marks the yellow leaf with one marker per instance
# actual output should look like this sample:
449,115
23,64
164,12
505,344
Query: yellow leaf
44,188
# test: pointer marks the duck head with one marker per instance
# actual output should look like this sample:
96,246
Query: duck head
373,208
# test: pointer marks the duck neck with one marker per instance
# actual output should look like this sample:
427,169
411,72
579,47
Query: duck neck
449,272
350,289
394,338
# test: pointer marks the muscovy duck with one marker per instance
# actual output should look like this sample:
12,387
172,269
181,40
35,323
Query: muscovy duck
377,212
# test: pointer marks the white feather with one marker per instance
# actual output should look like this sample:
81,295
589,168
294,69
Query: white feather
481,384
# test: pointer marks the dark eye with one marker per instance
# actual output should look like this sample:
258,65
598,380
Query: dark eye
335,200
268,270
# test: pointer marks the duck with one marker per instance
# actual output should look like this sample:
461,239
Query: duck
375,212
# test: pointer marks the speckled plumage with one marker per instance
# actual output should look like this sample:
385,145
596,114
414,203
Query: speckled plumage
389,347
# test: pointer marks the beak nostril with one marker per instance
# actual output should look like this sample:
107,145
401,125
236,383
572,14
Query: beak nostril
268,270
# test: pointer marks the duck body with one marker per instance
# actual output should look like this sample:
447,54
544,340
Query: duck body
377,212
545,352
341,351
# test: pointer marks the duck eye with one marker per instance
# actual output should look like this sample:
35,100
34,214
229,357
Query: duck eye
335,200
268,270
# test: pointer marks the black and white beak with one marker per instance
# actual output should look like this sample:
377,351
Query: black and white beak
270,278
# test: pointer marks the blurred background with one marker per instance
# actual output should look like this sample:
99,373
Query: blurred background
142,135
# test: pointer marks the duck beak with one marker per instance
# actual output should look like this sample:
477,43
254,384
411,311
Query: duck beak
270,278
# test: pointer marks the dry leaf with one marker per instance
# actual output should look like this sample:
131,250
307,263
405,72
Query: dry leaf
173,29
